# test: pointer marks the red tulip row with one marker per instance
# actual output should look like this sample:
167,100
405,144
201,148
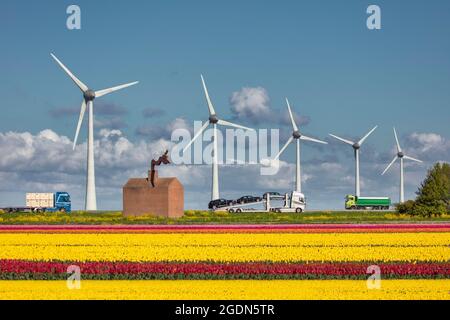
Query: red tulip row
325,269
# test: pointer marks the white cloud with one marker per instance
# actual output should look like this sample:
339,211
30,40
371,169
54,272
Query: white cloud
428,140
253,104
178,123
428,145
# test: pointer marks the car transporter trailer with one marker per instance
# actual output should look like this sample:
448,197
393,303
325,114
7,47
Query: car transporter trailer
293,202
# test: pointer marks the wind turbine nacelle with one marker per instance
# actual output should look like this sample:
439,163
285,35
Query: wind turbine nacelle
89,95
400,154
356,146
213,119
296,134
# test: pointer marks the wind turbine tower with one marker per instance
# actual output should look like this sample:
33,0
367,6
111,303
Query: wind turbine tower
356,147
297,136
214,121
88,102
400,155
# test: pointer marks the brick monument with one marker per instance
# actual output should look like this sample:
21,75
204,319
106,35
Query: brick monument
163,197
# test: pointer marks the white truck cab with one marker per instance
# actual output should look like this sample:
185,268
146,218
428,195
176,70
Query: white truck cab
293,202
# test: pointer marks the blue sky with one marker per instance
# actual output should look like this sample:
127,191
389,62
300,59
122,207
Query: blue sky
342,76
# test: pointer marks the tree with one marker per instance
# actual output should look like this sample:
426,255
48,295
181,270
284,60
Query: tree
406,207
433,196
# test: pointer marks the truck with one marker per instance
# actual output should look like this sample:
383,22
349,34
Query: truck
44,202
375,203
294,202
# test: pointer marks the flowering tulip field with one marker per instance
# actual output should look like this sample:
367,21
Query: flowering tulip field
315,261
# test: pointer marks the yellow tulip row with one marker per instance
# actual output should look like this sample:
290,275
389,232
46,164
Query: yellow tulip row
227,290
236,247
230,239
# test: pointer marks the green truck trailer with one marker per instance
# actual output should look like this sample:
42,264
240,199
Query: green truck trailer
375,203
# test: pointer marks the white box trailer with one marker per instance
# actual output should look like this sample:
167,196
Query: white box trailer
40,200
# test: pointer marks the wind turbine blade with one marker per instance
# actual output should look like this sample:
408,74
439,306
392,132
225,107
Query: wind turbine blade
399,149
208,100
229,124
367,135
413,159
294,125
312,139
284,148
80,121
342,139
77,81
199,132
390,165
101,93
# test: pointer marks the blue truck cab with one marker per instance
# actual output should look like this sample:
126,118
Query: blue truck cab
61,202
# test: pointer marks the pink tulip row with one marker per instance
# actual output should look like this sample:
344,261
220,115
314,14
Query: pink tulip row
302,228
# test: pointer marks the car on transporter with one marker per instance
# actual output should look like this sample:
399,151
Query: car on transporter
247,199
219,203
273,196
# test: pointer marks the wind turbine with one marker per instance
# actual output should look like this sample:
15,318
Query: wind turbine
214,121
356,146
400,155
297,136
88,101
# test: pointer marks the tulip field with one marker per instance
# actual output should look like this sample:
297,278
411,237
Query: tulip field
315,261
